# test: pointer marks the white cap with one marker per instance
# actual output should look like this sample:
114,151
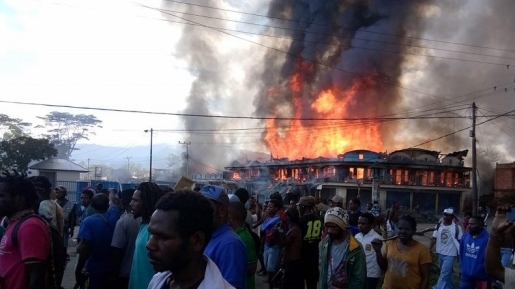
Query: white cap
448,211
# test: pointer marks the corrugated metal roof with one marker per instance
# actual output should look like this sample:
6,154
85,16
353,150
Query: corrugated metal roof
55,164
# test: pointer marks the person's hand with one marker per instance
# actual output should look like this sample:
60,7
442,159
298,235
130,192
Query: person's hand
377,244
499,224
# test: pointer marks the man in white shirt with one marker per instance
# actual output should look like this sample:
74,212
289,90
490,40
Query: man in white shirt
180,228
446,237
365,236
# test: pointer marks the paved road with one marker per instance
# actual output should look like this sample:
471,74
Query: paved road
69,278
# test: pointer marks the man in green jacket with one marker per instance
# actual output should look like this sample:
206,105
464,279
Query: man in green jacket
342,259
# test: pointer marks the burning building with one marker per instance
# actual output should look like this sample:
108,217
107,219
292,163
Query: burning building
414,177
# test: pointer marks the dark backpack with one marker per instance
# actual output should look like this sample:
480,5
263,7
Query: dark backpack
57,258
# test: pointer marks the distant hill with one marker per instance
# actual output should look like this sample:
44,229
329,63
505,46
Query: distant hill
116,156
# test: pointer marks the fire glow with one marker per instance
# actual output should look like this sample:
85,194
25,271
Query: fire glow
315,138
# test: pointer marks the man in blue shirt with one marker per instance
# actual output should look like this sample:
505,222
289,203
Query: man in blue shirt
472,255
94,249
226,249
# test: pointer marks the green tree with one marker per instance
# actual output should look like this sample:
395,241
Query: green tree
12,127
18,152
66,129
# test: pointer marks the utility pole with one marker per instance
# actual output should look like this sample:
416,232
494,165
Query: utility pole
187,144
89,172
151,136
128,164
475,198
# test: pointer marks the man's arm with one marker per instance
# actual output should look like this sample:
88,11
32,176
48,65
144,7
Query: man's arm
317,197
35,273
493,263
433,242
72,219
424,275
377,244
34,247
83,250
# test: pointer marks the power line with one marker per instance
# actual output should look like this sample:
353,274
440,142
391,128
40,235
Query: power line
347,37
223,116
228,30
455,132
326,25
507,134
294,55
326,43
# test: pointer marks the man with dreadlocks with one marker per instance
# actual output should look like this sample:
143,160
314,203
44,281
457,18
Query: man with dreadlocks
22,266
143,202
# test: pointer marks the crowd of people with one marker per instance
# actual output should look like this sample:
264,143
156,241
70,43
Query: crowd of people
152,238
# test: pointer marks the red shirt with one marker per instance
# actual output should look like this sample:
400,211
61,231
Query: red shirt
33,242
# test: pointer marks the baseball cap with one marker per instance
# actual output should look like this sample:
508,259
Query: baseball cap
449,211
306,201
337,199
233,198
215,193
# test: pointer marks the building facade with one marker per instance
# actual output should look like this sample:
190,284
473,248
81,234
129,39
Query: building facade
413,177
504,180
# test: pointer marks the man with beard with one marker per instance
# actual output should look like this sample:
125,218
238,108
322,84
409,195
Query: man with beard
311,228
180,229
472,255
342,260
143,202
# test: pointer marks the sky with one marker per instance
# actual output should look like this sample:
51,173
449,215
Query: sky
93,54
115,54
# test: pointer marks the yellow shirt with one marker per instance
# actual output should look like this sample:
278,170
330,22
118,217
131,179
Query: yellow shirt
404,267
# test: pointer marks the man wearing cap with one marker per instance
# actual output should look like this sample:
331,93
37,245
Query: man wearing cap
226,249
446,236
342,260
311,227
336,201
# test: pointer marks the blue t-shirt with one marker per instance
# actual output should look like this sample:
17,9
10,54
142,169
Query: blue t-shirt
98,230
141,269
472,255
229,253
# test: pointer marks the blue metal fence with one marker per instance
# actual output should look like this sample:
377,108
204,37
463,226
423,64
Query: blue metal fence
74,188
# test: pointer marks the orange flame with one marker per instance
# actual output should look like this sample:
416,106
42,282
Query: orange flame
312,139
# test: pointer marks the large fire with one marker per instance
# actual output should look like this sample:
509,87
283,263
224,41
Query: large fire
308,138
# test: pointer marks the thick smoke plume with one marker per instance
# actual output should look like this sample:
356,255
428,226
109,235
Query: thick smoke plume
334,33
217,89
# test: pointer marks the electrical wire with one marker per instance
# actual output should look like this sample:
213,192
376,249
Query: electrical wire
225,116
295,55
347,37
326,25
455,132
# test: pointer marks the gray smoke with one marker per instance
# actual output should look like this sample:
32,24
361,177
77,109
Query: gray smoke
217,89
345,24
